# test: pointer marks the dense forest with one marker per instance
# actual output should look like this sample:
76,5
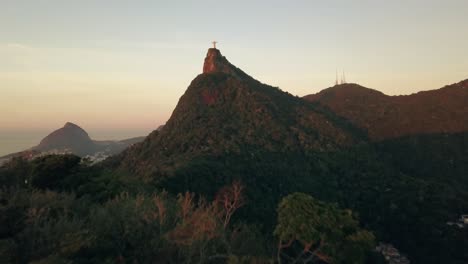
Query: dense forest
57,209
236,209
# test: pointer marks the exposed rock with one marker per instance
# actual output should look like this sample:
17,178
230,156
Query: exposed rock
216,62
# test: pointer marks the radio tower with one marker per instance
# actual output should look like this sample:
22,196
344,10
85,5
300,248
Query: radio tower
343,78
336,77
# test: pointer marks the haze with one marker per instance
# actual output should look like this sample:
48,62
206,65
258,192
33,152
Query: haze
122,65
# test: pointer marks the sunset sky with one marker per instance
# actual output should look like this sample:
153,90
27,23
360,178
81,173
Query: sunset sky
122,65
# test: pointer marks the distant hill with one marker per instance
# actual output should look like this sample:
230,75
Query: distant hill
430,112
74,140
70,137
225,111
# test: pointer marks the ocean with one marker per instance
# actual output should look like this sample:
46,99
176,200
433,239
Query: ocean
15,141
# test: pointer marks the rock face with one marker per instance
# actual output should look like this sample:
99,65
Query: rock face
215,63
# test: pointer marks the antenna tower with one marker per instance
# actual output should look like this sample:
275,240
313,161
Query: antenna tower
336,77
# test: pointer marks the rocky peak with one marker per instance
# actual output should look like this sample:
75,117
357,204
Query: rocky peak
71,125
70,136
73,128
216,62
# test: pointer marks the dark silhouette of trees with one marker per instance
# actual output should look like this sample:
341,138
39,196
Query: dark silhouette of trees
322,232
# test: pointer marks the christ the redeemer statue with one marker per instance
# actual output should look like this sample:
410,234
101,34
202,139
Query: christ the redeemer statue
214,44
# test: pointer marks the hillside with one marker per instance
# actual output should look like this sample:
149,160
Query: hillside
225,111
72,139
430,112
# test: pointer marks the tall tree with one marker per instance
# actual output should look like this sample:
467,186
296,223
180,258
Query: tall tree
312,231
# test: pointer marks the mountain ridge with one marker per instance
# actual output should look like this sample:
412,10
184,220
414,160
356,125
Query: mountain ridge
442,110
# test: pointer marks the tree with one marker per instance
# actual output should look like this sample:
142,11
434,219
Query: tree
48,172
203,229
14,172
230,198
321,231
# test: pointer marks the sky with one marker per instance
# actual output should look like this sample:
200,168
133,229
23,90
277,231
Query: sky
121,66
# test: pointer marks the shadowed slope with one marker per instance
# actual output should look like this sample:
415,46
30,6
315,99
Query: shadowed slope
438,111
70,137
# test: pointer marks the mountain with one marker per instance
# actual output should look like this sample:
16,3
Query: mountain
73,139
70,137
383,117
423,138
225,111
228,126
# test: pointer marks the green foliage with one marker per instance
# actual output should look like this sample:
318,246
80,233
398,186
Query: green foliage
410,212
325,232
301,217
47,172
248,240
440,157
131,228
401,205
15,172
223,115
41,223
45,226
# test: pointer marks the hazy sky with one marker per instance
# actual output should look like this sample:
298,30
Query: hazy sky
123,64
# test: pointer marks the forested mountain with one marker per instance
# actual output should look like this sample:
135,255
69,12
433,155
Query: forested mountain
245,173
229,126
225,112
429,112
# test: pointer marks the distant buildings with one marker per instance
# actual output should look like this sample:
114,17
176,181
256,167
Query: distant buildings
391,254
88,159
95,158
